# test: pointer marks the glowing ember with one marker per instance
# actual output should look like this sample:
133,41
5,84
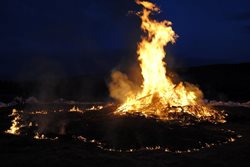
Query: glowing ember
201,146
76,109
15,127
95,108
39,113
40,136
158,96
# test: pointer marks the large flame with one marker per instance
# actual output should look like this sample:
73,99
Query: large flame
158,95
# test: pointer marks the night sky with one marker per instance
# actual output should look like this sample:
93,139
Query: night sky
63,37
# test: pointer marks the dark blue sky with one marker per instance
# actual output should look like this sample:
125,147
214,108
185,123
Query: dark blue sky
63,37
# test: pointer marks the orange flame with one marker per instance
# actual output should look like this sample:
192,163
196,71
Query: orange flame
15,127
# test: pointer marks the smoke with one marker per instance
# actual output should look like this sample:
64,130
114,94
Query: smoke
121,87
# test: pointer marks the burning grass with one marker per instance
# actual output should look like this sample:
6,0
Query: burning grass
120,133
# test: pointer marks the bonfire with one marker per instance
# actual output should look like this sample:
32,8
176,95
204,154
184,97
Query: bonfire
159,96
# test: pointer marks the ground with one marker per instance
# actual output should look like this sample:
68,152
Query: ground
26,151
